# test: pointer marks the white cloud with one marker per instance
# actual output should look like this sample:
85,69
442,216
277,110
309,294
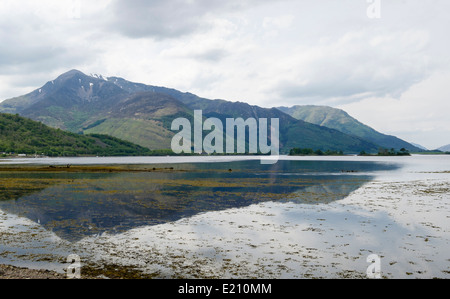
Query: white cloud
354,66
420,115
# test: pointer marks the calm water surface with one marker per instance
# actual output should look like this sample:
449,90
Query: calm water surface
232,216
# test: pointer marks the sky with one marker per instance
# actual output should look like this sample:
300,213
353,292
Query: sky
385,62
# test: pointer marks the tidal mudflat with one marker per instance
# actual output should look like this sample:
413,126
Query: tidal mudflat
228,217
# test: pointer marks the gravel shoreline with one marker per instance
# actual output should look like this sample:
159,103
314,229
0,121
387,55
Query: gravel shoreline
12,272
88,272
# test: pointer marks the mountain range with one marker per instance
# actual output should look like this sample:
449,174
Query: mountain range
445,148
142,114
342,121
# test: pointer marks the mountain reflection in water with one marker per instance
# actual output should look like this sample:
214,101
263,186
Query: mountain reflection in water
78,204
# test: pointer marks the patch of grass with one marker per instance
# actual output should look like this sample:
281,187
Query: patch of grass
146,133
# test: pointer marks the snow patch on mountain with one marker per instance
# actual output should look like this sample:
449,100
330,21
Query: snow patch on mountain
98,76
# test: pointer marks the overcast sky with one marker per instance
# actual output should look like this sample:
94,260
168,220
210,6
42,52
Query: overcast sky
386,62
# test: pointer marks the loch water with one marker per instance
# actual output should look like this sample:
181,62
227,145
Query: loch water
230,217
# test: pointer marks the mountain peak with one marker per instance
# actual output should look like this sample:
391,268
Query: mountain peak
445,148
78,79
99,76
340,120
74,73
71,73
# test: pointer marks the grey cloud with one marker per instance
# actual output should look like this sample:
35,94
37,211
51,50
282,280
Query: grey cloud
357,66
139,18
212,55
344,85
23,55
35,46
342,90
162,19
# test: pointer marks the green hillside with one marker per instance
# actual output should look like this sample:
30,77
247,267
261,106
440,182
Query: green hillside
143,118
340,120
20,135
